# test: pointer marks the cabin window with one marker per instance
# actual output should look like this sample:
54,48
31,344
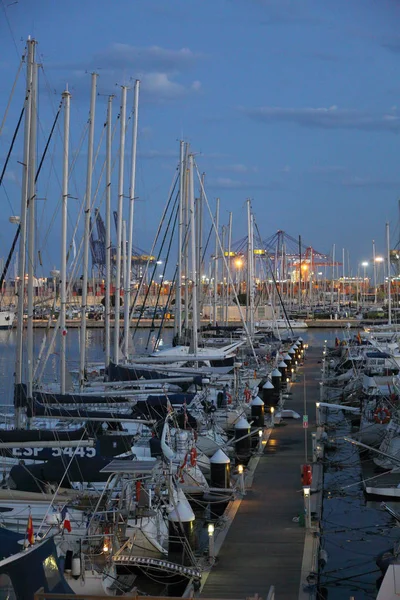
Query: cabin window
51,572
6,588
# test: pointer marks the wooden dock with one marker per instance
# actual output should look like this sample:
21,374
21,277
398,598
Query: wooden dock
264,546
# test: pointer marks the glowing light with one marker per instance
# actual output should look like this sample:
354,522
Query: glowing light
379,259
240,469
238,263
210,529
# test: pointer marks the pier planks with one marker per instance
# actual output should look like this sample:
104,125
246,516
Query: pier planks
263,546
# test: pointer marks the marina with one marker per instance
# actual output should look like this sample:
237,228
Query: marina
195,403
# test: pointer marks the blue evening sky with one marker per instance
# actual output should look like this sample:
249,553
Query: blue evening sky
290,102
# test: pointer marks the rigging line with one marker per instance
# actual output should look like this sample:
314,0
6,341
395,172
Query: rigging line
12,93
174,208
140,286
277,290
12,142
10,28
173,283
10,254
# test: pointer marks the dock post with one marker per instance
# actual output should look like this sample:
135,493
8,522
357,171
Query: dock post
314,446
317,416
211,551
241,480
307,505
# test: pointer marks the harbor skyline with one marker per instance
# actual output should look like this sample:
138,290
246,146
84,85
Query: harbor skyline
264,91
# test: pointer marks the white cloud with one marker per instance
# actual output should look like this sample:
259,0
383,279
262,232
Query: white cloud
327,118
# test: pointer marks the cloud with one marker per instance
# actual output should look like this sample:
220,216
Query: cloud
157,68
392,44
237,168
226,183
327,118
366,182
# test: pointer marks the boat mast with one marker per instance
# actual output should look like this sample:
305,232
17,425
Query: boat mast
229,264
22,237
108,233
389,284
250,273
194,338
86,235
216,263
333,277
128,273
199,219
222,303
186,240
32,227
178,296
64,219
119,223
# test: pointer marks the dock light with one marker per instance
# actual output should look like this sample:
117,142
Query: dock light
260,433
292,370
106,547
272,409
211,551
240,469
287,379
325,341
317,417
307,505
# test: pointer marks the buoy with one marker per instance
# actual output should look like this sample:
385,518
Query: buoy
257,412
76,567
242,439
382,415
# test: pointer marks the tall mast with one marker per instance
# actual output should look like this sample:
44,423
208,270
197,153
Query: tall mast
32,227
185,250
300,272
86,235
128,273
333,276
64,219
222,303
229,266
199,219
250,276
119,223
389,284
22,237
178,296
108,234
216,263
194,339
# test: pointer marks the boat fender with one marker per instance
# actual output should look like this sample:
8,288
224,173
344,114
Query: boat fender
68,561
76,567
247,394
138,489
193,457
382,415
323,558
229,398
306,475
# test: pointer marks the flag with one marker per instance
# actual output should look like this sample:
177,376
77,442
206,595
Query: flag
67,523
29,531
66,519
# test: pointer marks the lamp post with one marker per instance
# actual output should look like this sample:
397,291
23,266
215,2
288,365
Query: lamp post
307,505
241,480
317,416
211,551
378,261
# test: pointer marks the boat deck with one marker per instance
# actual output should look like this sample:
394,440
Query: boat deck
264,546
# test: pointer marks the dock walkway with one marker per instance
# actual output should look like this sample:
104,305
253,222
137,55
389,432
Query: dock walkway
263,546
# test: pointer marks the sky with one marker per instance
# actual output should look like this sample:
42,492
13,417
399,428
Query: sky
292,103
